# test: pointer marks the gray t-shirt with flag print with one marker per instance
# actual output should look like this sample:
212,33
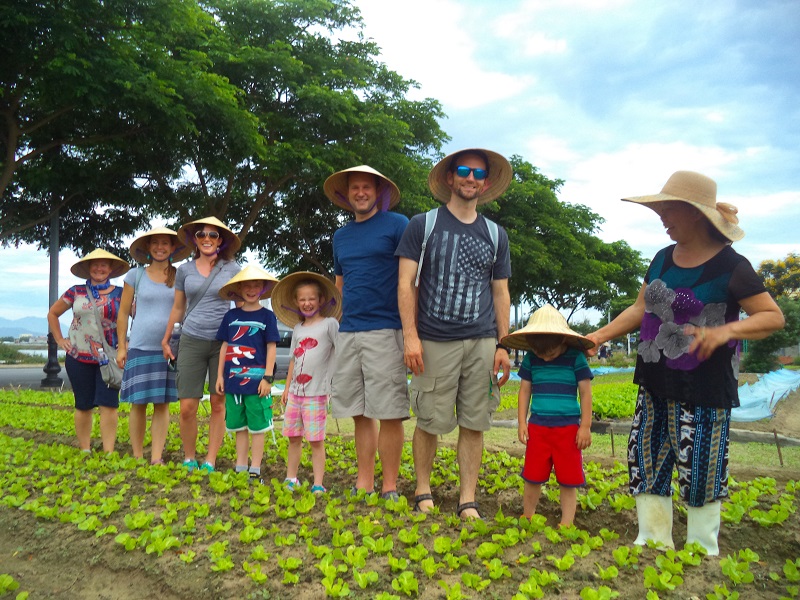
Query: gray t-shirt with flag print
455,287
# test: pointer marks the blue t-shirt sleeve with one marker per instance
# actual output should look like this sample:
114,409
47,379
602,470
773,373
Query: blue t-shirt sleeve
271,332
222,332
582,370
525,369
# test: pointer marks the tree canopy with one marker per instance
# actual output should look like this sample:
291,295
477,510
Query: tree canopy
179,109
556,255
782,277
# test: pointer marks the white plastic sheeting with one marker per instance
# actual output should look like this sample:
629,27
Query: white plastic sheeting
759,399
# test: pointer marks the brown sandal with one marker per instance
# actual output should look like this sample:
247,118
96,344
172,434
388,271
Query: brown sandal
466,506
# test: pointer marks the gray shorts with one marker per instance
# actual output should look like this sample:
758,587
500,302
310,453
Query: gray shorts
370,378
197,359
458,387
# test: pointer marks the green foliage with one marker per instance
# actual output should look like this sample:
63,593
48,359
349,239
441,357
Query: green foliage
761,355
782,277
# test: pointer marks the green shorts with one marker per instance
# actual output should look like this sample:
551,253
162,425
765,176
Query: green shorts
458,387
249,412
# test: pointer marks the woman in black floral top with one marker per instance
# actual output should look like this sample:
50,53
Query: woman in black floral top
688,361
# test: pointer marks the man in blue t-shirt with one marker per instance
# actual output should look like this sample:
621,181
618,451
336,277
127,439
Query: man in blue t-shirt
456,316
369,383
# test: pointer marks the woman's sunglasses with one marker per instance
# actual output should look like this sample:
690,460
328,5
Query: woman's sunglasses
206,234
478,174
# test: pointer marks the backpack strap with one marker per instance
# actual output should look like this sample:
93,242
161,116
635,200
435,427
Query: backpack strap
494,233
430,222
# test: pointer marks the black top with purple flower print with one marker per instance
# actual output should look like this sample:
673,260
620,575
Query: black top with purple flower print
706,296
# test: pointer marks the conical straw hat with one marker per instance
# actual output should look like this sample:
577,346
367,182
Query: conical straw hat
283,301
118,266
230,291
546,320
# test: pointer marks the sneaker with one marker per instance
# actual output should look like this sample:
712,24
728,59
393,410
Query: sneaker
391,495
318,489
291,484
207,467
190,464
255,478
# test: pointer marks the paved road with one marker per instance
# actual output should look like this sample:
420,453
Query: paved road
28,376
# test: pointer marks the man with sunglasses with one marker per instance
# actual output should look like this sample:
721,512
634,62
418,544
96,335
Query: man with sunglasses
454,305
369,383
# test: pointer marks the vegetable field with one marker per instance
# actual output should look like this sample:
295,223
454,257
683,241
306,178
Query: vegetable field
76,526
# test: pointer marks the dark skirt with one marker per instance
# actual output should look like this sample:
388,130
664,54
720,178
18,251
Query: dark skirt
146,379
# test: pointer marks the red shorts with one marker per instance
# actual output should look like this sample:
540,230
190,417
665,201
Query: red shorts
553,447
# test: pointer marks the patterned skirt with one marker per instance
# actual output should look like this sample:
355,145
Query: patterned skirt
146,379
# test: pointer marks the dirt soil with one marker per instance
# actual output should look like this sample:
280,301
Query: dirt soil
54,560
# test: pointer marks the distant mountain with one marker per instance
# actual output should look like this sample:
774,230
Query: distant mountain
15,327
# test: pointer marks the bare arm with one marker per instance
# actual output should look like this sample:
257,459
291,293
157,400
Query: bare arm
175,316
265,388
223,350
584,438
289,375
502,315
628,320
59,308
764,317
339,283
523,403
407,303
125,307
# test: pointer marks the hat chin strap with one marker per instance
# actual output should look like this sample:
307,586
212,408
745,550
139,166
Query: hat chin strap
382,201
301,314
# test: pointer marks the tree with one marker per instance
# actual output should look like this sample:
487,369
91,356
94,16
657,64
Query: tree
782,277
322,102
94,95
762,355
555,255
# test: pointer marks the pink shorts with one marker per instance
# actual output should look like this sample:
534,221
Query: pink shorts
553,447
306,416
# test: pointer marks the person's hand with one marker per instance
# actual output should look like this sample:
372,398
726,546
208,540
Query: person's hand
220,387
264,388
65,345
522,432
502,363
584,438
412,354
285,395
166,350
597,342
122,357
706,339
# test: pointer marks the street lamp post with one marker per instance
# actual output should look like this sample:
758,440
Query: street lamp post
52,368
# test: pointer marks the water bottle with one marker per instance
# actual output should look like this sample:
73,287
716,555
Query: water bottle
175,339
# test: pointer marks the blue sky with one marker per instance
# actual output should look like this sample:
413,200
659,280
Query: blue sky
611,96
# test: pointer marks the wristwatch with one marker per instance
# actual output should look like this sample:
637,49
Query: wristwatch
269,378
501,347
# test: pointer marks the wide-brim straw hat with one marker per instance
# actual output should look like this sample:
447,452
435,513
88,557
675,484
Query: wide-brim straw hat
701,192
283,298
500,175
230,291
229,238
141,253
118,266
546,320
336,188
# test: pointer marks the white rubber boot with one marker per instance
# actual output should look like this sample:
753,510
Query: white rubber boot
703,526
655,519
